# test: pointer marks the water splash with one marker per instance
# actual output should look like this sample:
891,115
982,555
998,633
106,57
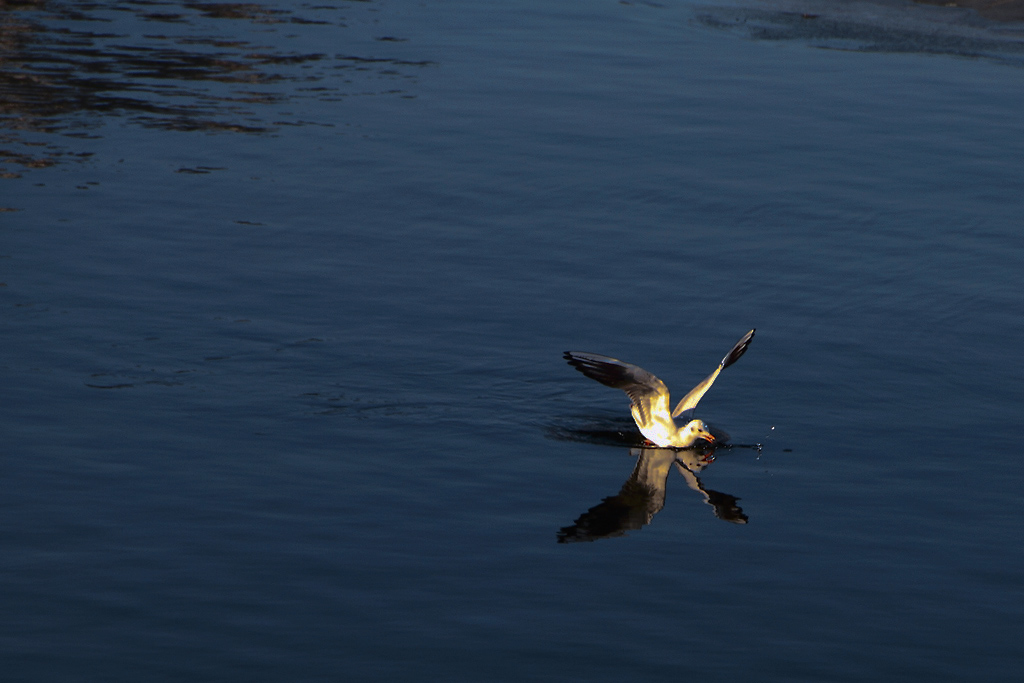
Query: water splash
760,444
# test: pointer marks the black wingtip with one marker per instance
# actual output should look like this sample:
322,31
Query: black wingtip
738,350
575,361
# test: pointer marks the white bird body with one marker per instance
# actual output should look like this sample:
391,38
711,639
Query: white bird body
650,396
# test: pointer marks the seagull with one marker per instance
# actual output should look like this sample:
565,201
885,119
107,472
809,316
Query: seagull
650,395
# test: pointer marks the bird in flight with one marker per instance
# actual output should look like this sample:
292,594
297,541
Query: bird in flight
650,397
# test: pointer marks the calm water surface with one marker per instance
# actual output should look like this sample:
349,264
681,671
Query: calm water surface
286,287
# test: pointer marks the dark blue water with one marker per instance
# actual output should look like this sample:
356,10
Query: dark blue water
286,288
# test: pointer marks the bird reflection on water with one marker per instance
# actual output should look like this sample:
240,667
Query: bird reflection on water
643,495
689,447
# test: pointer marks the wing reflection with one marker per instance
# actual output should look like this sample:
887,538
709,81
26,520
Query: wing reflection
643,495
724,505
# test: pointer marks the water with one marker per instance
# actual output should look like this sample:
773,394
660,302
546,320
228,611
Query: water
285,293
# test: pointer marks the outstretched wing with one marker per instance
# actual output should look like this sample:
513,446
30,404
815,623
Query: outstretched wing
644,389
691,400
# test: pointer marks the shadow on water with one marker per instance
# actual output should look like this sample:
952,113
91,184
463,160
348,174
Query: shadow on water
643,494
972,28
68,67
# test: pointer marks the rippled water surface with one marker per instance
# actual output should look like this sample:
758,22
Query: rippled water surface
285,292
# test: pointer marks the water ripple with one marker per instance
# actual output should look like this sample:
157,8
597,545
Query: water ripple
71,67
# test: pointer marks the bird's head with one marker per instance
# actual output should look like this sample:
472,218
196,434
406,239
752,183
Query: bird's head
696,429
